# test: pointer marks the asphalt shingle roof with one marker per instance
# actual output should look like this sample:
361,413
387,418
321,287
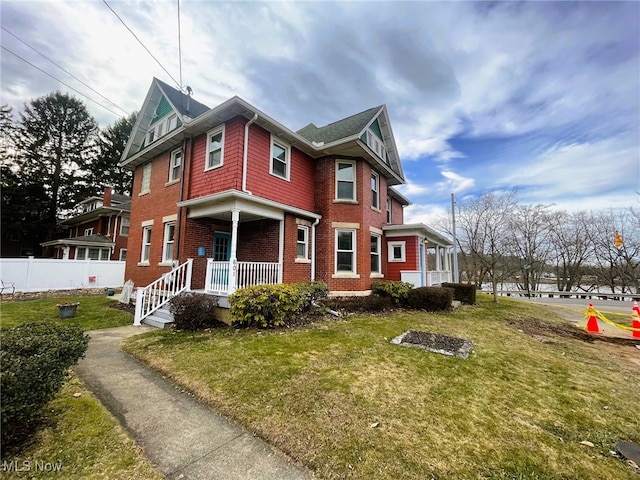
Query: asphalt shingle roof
180,101
344,128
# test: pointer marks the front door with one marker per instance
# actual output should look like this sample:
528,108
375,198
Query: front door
221,246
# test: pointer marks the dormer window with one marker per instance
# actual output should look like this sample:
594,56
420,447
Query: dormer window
172,122
375,144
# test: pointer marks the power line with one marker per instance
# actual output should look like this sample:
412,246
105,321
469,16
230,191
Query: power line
58,80
64,70
179,45
143,45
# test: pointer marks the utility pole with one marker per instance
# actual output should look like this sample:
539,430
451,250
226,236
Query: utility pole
456,278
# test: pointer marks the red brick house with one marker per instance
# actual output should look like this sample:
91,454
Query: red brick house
251,201
100,232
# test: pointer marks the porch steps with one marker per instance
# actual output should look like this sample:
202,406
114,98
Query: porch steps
161,318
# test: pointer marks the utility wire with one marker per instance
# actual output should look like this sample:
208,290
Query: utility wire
64,70
179,46
58,80
140,42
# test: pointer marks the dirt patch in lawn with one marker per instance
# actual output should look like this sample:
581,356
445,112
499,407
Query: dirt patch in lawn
435,342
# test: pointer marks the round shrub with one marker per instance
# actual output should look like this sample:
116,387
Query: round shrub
33,364
194,311
397,291
432,299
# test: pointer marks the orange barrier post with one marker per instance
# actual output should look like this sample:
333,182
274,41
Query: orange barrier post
592,322
635,321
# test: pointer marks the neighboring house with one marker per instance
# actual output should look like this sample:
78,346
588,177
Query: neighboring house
251,201
100,232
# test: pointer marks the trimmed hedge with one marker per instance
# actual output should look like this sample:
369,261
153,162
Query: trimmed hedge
397,291
269,306
432,299
463,292
367,304
194,311
33,365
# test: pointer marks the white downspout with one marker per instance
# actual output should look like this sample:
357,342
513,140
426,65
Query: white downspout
313,249
245,153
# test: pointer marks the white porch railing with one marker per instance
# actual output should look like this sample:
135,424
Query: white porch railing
155,295
438,277
222,278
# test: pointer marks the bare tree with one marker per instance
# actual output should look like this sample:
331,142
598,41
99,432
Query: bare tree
571,246
484,225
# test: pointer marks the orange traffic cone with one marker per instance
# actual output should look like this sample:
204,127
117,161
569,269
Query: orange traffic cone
635,320
592,322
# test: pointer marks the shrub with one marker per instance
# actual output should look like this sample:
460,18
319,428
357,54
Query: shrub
397,291
313,291
268,306
463,292
430,298
33,364
368,304
194,311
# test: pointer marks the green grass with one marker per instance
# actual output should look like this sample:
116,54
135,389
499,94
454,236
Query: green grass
80,440
340,399
93,312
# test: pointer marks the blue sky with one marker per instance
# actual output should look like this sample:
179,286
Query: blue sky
483,96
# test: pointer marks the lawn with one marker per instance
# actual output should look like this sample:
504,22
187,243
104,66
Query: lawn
93,312
80,440
340,399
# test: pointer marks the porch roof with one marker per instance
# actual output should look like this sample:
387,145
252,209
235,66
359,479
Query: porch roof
94,240
419,229
220,205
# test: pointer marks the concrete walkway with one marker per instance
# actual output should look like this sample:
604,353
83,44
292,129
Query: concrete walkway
181,437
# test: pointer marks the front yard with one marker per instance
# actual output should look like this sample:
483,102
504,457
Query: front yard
340,399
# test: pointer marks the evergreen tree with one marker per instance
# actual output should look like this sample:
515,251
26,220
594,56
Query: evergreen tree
111,143
56,143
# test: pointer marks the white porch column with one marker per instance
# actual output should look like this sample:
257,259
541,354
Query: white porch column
281,251
233,258
438,262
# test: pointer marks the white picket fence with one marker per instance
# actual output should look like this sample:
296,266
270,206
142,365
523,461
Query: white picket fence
42,274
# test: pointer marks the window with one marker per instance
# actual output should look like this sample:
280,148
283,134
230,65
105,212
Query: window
146,178
146,244
124,226
172,123
151,135
345,181
375,254
105,254
303,242
88,231
345,251
174,166
123,254
81,253
169,236
280,160
396,251
215,148
375,190
376,144
389,210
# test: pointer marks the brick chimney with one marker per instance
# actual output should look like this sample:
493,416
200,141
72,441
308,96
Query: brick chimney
106,197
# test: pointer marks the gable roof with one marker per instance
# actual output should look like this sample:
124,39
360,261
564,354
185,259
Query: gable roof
345,137
184,104
347,127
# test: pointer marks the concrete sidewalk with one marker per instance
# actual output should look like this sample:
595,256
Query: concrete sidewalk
181,437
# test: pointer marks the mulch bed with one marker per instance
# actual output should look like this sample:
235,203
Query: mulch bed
435,342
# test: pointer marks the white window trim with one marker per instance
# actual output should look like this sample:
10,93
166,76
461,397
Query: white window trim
375,144
377,177
146,171
122,225
210,133
88,231
287,157
145,261
120,255
77,257
402,245
342,273
354,194
170,117
304,258
174,155
378,272
389,210
166,242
